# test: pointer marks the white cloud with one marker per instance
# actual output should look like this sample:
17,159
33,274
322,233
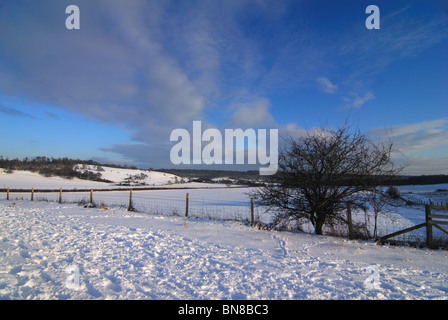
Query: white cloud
370,53
326,85
150,69
431,126
358,101
415,142
114,69
417,137
253,114
422,165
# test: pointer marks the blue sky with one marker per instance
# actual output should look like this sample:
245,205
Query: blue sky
136,70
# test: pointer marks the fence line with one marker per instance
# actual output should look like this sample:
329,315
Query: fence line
181,204
429,224
136,200
441,205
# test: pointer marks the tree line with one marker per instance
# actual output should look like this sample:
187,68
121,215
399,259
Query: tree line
62,167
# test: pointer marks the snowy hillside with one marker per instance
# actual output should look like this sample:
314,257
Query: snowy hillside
63,251
134,177
27,180
118,176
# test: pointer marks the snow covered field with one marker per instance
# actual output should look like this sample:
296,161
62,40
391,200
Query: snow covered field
219,203
205,200
27,180
63,251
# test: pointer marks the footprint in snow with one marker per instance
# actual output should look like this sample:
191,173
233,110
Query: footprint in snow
282,246
15,270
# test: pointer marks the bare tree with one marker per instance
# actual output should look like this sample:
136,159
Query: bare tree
378,200
322,171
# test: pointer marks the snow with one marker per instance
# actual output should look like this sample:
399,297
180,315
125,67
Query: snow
423,188
132,176
437,193
64,251
157,253
218,201
27,180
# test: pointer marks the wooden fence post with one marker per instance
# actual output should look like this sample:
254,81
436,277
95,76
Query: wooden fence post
60,195
252,211
7,194
349,220
186,205
429,236
91,196
130,208
32,194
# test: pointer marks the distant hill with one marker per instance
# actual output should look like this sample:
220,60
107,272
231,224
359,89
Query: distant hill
32,168
48,167
420,180
130,175
210,175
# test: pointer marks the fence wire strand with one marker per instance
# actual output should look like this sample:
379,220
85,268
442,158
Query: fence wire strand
145,202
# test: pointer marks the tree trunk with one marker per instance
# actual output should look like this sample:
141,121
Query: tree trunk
318,229
376,224
320,221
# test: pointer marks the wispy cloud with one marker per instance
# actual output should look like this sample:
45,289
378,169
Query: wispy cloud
414,144
15,113
357,101
362,55
367,53
153,66
52,115
326,85
124,76
418,165
417,137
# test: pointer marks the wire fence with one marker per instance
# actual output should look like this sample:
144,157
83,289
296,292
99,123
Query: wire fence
177,203
210,203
